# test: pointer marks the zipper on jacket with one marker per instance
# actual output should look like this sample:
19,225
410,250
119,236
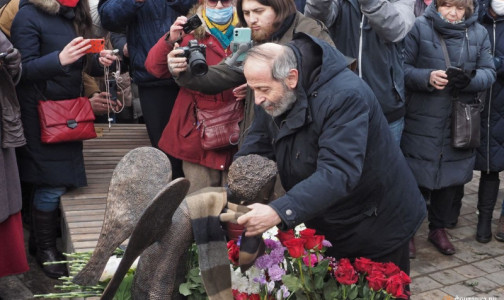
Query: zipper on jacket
360,46
490,106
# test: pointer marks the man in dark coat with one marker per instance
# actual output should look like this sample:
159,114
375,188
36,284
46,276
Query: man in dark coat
343,174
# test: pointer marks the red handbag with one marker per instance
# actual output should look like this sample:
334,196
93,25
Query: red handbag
66,120
220,127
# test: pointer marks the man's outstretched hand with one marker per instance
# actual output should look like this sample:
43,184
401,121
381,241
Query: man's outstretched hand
259,219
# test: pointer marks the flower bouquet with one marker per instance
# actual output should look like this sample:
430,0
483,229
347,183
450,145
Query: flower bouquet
77,261
294,267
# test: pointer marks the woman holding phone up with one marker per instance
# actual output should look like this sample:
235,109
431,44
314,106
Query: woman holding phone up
438,167
51,37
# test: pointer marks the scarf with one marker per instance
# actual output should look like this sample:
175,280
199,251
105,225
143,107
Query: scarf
223,32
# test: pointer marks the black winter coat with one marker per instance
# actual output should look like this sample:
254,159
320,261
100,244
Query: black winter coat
489,156
40,31
426,137
344,175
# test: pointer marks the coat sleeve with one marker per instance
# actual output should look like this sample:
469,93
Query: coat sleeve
26,36
219,78
115,15
342,148
485,67
324,10
156,63
415,79
391,20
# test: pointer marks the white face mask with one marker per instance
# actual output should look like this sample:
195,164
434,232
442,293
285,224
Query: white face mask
498,7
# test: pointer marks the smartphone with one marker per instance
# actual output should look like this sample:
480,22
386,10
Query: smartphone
241,36
112,89
191,24
97,45
452,72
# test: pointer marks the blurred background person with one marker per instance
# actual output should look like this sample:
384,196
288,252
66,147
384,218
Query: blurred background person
426,142
489,157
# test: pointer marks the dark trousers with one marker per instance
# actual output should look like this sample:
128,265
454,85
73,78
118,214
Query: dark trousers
157,105
440,207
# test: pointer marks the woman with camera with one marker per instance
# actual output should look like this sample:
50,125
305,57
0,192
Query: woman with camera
183,135
439,167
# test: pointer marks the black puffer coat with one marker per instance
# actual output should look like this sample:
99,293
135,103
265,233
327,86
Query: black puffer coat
490,156
40,31
426,137
344,175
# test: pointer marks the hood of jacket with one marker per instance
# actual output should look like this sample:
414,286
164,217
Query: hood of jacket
447,29
51,7
318,62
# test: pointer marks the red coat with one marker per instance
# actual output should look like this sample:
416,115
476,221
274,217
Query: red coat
180,137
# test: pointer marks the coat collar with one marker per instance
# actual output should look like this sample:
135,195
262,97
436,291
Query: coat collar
51,7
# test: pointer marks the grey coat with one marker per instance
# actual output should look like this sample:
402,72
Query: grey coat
378,46
10,189
427,133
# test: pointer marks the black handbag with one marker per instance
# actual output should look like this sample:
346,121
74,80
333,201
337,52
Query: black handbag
465,117
465,125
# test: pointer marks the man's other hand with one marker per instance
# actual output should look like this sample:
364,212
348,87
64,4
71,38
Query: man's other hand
259,219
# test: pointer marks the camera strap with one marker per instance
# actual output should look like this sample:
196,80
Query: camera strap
118,79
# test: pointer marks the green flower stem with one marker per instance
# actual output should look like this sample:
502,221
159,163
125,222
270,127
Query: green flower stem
388,296
372,294
302,277
344,291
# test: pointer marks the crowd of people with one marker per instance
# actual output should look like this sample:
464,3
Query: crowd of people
351,99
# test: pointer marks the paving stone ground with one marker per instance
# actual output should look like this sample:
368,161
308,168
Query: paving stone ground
476,271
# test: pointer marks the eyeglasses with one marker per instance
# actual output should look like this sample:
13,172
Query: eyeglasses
213,3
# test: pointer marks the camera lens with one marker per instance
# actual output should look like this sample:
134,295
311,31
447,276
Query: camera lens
197,63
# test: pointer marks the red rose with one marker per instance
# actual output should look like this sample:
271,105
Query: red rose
364,265
390,269
345,272
395,286
285,236
314,242
310,260
233,252
376,280
295,247
254,297
239,296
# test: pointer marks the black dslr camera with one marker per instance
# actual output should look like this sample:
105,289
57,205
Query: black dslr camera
196,57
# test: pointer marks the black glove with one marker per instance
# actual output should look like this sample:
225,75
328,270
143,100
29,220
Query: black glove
12,62
461,79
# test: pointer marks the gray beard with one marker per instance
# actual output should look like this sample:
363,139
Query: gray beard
283,105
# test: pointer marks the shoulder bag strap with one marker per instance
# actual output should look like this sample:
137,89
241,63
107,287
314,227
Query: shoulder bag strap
445,51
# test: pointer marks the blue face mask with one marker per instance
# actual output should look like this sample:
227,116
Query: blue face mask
219,16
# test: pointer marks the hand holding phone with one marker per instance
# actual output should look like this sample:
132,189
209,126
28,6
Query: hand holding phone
191,24
241,42
453,72
97,45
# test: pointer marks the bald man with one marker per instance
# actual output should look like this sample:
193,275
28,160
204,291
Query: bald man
343,173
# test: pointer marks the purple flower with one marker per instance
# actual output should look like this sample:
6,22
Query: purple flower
272,244
326,243
277,254
264,262
275,273
261,279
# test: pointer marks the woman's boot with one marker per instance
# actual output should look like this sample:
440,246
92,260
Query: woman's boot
487,196
45,230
